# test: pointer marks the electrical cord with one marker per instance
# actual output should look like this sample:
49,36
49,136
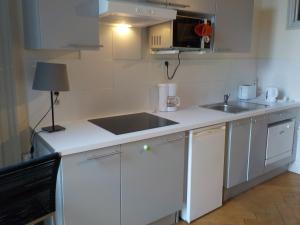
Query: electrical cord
176,68
33,133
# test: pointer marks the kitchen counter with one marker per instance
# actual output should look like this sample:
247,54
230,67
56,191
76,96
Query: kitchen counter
81,136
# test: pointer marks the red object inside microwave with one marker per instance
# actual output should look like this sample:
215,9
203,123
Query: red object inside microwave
203,30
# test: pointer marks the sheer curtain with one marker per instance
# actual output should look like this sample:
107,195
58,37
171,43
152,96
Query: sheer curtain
13,110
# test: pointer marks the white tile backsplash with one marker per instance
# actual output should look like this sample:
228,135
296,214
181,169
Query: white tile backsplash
281,73
102,86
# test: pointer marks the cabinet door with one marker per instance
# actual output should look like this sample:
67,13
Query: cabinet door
152,180
237,152
233,28
205,172
257,157
56,24
91,188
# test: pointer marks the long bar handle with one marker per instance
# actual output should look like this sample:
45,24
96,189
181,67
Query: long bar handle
147,148
209,131
104,156
85,46
175,139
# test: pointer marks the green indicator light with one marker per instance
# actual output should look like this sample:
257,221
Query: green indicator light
146,148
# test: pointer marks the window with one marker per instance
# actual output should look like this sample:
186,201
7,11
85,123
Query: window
298,11
294,14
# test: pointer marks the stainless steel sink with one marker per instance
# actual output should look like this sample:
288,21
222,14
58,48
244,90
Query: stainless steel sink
227,108
235,107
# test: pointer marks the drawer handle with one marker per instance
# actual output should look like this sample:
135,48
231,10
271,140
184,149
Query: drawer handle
210,131
175,139
147,148
282,132
104,156
84,46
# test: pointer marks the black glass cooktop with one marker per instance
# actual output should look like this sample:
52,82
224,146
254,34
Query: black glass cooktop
131,123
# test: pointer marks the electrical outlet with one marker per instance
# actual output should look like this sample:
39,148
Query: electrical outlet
57,100
164,64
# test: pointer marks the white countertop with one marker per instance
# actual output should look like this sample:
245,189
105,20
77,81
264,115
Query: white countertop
82,135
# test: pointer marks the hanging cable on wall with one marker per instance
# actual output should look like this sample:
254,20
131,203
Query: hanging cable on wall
176,68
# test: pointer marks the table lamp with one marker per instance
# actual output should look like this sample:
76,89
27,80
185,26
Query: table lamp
51,77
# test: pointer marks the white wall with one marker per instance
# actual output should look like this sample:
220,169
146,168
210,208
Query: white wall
14,135
101,85
278,48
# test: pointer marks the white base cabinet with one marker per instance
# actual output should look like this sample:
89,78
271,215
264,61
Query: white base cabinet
90,188
257,149
205,172
152,179
258,144
237,152
138,183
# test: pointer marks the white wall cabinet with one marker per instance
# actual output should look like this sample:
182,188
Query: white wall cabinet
233,28
90,188
56,24
152,180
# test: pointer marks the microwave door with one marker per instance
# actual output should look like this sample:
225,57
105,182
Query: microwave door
184,34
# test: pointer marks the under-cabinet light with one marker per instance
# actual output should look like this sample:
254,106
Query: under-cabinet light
122,28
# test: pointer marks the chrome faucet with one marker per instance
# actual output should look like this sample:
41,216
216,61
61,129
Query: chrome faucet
226,98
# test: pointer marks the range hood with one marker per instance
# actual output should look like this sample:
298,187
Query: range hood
133,14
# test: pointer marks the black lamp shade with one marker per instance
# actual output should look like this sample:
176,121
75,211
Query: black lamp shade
51,77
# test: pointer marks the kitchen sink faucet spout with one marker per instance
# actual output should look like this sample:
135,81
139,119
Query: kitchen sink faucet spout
226,98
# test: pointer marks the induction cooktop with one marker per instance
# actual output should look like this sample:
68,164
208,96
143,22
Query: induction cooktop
131,123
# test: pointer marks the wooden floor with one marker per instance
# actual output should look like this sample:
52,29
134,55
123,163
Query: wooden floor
276,202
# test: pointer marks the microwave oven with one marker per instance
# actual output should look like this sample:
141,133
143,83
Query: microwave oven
182,34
